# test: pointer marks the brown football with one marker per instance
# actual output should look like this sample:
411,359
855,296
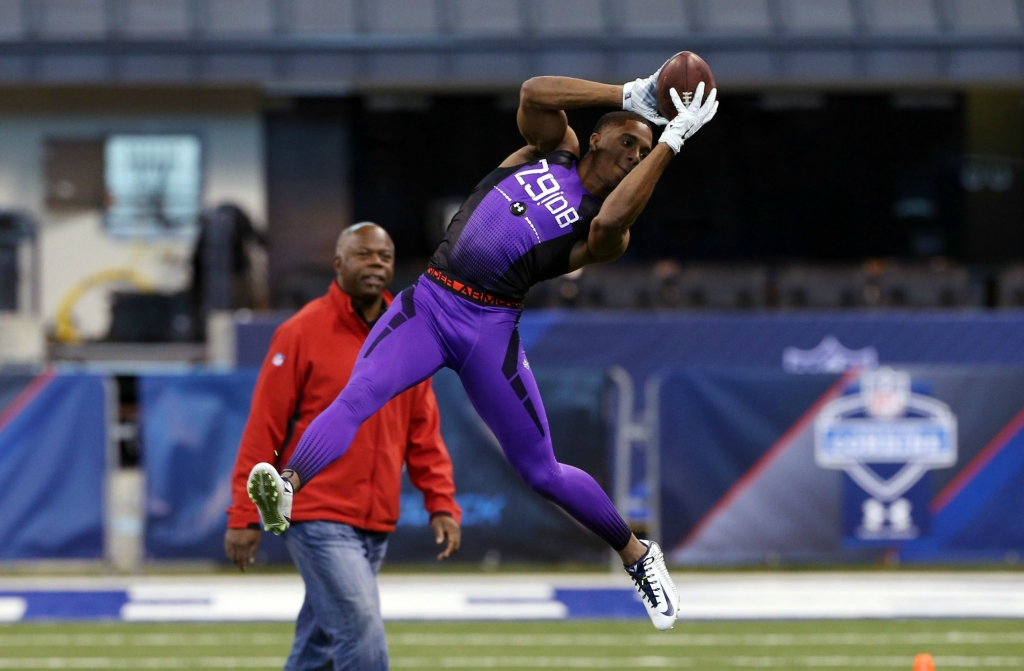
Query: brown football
682,72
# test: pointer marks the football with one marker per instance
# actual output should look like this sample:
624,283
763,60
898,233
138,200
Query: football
682,72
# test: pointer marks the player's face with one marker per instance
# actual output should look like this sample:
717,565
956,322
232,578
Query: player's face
365,263
619,149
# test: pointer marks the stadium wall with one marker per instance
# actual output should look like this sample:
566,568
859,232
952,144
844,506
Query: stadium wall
73,241
735,401
191,426
733,414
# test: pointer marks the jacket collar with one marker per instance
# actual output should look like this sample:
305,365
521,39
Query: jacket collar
346,312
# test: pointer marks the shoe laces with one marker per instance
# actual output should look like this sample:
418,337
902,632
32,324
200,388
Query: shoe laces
645,578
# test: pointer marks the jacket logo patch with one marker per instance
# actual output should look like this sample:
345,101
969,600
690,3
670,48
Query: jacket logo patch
278,359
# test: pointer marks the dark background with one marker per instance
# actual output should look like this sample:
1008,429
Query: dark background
810,178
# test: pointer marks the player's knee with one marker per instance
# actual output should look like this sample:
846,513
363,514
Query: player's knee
545,481
359,398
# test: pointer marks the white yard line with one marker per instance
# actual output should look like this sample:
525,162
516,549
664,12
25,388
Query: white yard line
142,640
707,640
541,662
831,662
141,662
538,662
949,638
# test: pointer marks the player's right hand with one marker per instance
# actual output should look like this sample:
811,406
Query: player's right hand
689,119
641,96
240,546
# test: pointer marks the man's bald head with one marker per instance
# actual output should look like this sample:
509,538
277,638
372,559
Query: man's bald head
360,231
364,261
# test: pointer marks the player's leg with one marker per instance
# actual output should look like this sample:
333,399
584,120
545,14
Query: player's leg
339,565
400,351
502,388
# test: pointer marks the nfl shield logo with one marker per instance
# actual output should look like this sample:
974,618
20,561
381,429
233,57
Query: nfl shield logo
886,437
885,392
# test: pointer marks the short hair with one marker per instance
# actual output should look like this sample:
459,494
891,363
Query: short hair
618,118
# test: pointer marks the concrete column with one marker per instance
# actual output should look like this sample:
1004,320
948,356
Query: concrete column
993,175
125,519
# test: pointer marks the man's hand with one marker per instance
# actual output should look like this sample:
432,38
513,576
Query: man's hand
689,119
641,96
240,546
446,528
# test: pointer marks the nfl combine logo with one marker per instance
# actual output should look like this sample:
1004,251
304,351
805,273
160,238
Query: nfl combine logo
517,209
886,437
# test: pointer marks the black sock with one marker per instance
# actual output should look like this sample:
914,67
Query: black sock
637,563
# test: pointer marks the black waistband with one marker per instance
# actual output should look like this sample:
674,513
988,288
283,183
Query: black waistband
468,292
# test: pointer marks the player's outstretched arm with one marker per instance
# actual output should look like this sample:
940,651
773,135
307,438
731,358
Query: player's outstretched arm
541,117
609,231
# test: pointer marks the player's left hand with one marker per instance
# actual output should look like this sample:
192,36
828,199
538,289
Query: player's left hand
689,118
446,528
641,96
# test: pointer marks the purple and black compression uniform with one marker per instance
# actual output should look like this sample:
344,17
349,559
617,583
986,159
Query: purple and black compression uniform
517,228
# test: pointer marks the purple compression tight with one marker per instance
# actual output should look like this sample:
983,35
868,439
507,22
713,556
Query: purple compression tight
428,327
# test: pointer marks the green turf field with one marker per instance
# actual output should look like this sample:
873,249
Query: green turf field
956,644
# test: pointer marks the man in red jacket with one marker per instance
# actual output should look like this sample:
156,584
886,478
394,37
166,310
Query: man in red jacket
340,525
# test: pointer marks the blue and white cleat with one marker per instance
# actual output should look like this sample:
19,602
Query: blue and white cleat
272,494
657,591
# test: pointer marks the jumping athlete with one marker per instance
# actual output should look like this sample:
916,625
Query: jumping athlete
542,213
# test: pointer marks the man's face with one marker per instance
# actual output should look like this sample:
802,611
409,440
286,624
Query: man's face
620,148
365,262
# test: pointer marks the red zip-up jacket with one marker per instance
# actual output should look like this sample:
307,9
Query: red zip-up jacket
309,362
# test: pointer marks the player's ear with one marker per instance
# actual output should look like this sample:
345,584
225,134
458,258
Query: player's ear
595,139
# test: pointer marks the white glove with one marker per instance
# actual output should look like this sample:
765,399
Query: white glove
688,119
641,96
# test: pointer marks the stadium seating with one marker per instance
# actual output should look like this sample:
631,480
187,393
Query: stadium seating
1011,287
669,285
313,44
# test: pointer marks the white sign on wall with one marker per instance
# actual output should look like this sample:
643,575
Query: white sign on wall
885,423
154,184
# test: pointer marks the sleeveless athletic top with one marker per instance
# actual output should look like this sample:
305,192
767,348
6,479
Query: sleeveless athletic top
518,227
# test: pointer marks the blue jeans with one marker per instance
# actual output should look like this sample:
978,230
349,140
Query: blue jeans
340,625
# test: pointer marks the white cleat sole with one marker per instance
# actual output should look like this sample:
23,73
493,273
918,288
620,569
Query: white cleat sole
265,488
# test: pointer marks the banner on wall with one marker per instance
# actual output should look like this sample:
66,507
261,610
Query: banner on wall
761,465
53,463
924,459
886,436
503,519
192,424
